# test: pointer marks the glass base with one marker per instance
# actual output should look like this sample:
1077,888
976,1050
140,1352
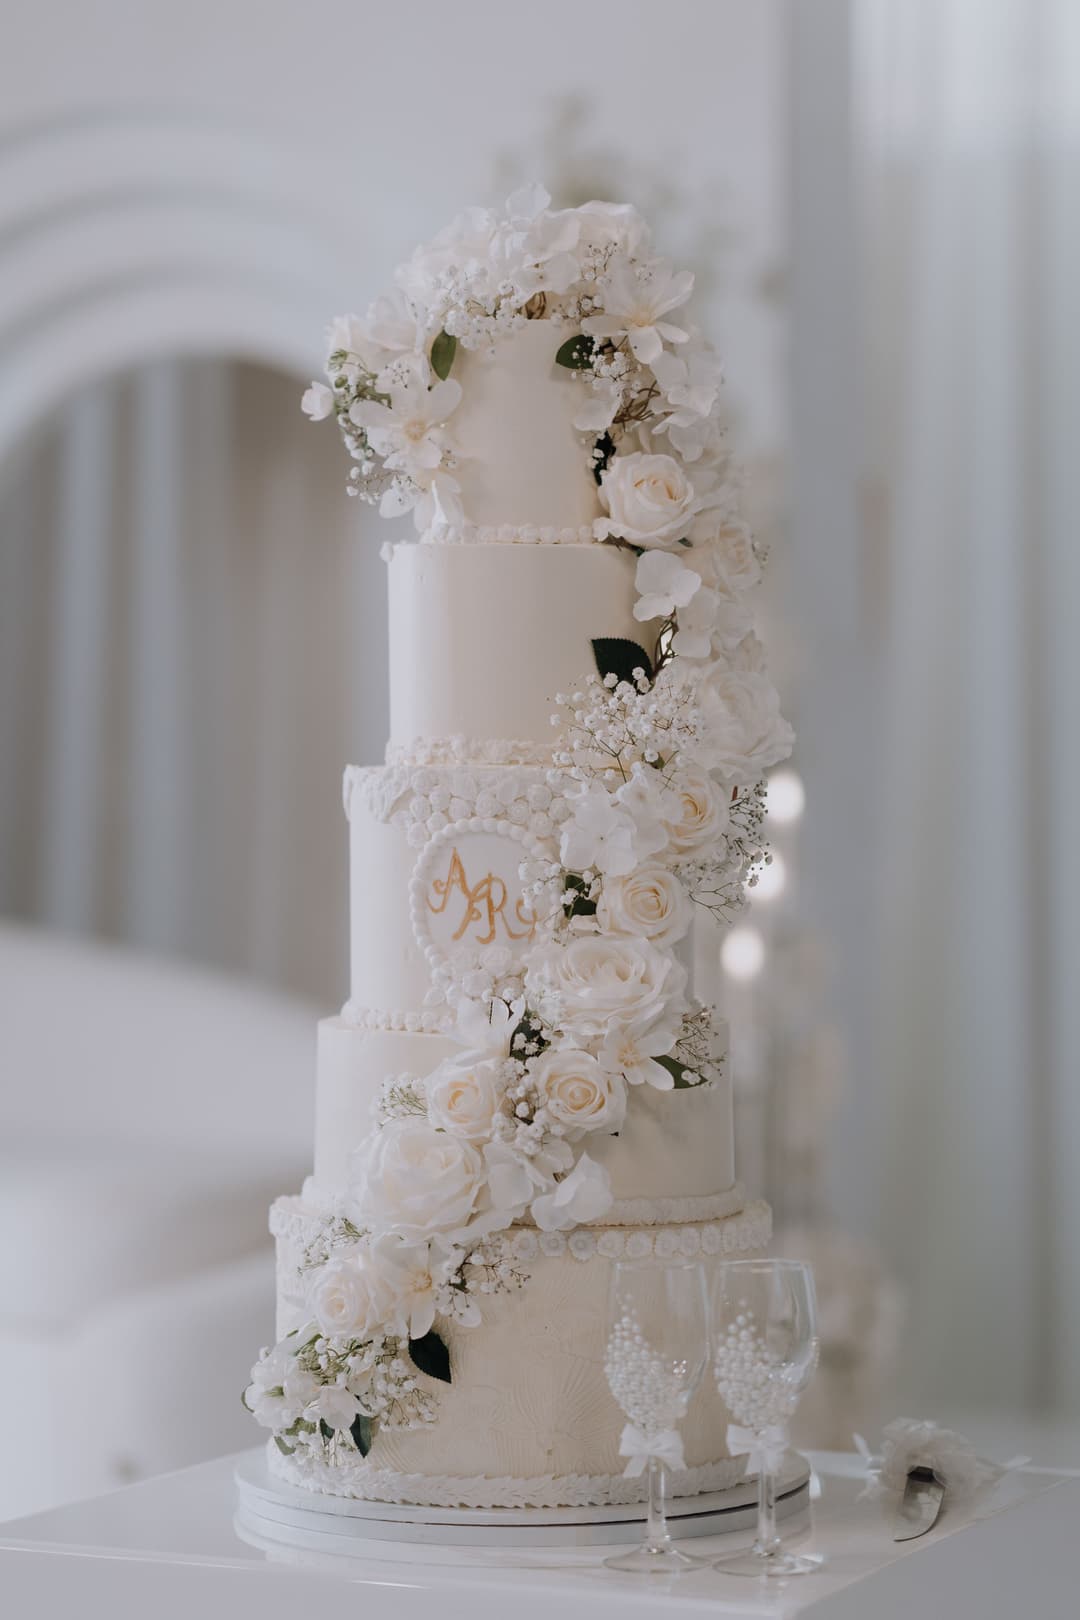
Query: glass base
662,1560
769,1566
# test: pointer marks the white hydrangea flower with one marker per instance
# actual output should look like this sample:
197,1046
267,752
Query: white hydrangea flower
664,584
317,401
408,433
599,836
582,1196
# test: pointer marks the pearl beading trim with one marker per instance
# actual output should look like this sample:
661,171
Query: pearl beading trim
510,534
295,1222
354,1476
428,1021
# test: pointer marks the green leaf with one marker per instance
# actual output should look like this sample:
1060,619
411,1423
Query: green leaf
325,1430
431,1356
443,351
362,1433
580,905
678,1072
576,353
286,1450
603,450
618,657
530,1028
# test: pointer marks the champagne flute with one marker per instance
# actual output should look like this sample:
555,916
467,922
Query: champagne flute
657,1349
765,1350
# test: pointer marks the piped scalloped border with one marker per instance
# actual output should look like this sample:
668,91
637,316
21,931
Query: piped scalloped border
428,1021
296,1222
353,1476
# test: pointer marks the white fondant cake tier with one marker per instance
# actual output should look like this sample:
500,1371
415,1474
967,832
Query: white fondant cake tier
528,1400
473,645
521,460
673,1160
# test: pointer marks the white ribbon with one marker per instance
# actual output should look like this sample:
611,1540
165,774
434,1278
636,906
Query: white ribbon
666,1446
762,1451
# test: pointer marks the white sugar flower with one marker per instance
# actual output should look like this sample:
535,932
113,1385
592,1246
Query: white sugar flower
486,1026
317,402
335,1406
577,1092
594,981
599,836
664,584
632,1049
648,802
408,432
648,903
515,1177
464,1095
265,1397
648,498
636,298
584,1195
741,729
690,387
697,621
701,813
410,1178
345,1298
411,1272
597,411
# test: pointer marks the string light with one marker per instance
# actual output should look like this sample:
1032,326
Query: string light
786,798
743,954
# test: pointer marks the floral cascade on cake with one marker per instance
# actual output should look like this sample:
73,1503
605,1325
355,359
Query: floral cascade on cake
522,1086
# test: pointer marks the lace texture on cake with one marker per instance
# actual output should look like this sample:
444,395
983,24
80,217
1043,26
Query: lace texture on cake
482,751
355,1477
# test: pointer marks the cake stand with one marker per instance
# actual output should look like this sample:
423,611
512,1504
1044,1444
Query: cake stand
272,1514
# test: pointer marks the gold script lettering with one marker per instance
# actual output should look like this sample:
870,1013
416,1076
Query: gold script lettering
485,904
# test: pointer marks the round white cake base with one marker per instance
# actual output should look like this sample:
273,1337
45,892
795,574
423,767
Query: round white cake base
272,1513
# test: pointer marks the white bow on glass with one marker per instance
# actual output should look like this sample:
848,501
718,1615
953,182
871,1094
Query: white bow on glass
666,1447
766,1449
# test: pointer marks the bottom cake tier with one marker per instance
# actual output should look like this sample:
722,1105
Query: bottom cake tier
527,1419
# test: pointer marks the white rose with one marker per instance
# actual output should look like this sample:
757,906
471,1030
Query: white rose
594,981
576,1091
317,401
648,498
410,1178
583,1196
734,555
464,1095
742,729
344,1297
649,903
703,813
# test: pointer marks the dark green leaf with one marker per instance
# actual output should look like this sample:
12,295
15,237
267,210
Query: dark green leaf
362,1433
576,353
530,1029
678,1071
442,355
431,1356
579,905
325,1430
603,450
620,658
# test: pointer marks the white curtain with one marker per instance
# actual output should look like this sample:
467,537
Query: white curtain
192,645
968,140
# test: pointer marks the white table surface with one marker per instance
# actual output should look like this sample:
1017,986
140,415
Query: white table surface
167,1549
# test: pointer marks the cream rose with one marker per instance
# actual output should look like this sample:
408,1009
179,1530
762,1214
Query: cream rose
596,980
649,500
702,813
649,903
743,731
464,1095
576,1091
410,1178
345,1297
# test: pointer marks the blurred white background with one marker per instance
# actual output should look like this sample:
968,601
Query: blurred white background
879,198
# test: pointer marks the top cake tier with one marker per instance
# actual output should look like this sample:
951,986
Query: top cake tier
523,467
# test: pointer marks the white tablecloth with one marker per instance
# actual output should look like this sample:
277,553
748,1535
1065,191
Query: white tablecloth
168,1548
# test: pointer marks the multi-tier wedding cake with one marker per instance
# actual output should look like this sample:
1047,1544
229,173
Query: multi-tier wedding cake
522,1085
